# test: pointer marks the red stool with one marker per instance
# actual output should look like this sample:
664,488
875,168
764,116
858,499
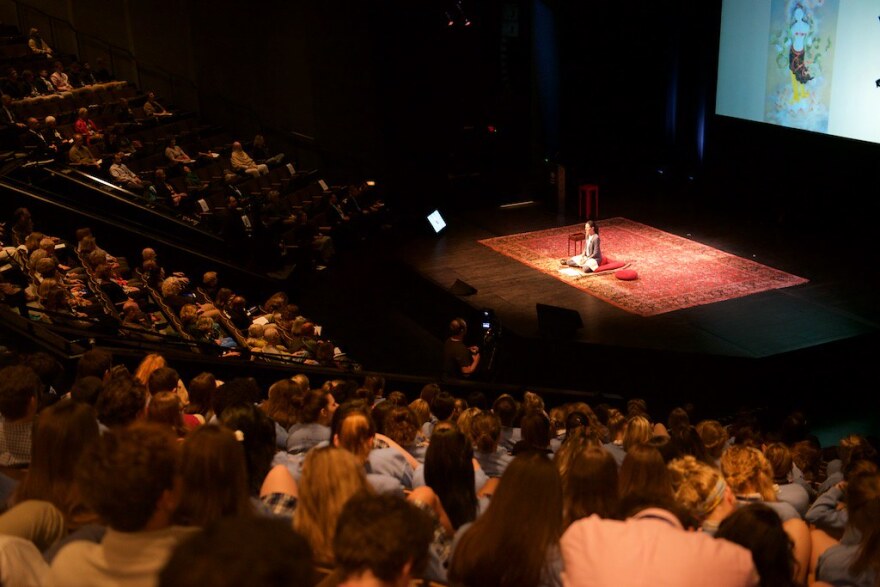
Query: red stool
588,195
577,238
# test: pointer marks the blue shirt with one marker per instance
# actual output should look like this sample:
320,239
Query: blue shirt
302,437
493,463
834,563
616,451
509,437
389,461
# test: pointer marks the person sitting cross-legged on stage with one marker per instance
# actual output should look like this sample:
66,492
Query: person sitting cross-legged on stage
590,259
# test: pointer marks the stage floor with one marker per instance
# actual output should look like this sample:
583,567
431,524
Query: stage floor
761,325
796,342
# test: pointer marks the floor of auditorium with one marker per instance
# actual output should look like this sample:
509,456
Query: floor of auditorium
788,343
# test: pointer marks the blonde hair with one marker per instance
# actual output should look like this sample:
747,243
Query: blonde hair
205,324
302,380
616,424
188,313
172,286
149,364
532,402
465,422
421,409
331,476
697,486
356,432
638,431
748,471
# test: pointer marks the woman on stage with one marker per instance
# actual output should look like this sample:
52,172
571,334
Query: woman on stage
590,259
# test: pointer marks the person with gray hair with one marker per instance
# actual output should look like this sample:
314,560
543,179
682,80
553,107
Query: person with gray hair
54,136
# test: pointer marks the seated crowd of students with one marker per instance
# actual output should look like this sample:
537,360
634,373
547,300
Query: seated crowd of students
82,285
138,478
141,478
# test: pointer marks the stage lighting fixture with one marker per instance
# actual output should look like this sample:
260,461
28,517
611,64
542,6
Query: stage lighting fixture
371,183
455,14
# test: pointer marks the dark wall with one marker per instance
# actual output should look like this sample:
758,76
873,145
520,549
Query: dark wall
302,67
636,81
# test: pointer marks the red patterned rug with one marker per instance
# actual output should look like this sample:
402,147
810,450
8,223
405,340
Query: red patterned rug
673,272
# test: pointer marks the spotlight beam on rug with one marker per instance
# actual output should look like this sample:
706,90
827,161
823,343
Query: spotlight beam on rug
674,272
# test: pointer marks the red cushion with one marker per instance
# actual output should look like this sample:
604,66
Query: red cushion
626,275
609,265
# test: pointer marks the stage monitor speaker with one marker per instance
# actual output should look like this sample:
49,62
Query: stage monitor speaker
460,288
556,322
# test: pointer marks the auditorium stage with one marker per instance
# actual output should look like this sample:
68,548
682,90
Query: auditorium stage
796,342
759,325
804,336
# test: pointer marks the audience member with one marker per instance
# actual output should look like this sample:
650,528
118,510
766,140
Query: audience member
128,479
53,135
494,550
330,477
19,389
164,409
644,472
272,489
779,457
650,547
750,477
242,162
60,79
44,83
152,108
243,550
856,560
125,177
261,152
37,44
166,193
758,528
380,541
122,401
702,491
62,433
81,156
315,409
214,480
589,484
176,155
86,127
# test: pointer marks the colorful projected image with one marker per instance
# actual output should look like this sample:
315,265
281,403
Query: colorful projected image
799,64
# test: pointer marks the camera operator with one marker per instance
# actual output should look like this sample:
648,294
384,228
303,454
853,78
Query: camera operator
459,361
